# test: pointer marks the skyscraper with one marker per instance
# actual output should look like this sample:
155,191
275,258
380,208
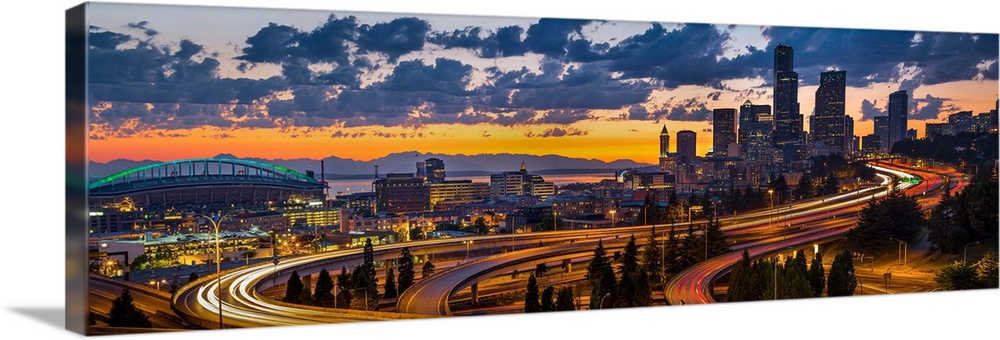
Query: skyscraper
849,139
787,120
723,130
827,125
882,131
897,117
756,126
687,142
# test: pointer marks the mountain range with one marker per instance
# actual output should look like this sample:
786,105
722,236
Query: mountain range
405,162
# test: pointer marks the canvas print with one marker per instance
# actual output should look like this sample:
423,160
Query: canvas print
248,167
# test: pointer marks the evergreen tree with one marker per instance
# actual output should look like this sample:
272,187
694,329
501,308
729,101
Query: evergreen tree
986,270
817,275
548,299
895,216
406,271
743,281
293,288
651,257
124,313
841,281
795,283
643,289
672,263
717,242
608,285
692,249
531,298
305,295
428,269
564,299
957,276
390,284
831,185
323,293
594,270
369,268
344,293
627,286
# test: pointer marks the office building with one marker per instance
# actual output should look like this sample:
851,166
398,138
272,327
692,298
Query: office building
787,119
401,194
827,123
898,109
882,131
723,130
687,142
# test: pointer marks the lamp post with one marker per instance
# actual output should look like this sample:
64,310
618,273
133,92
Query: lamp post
965,256
467,243
153,281
601,305
904,246
770,199
612,218
218,258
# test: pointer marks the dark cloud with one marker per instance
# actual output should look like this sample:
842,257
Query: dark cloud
563,117
505,42
446,75
518,118
271,44
107,40
556,132
550,36
395,38
639,112
689,111
691,55
870,110
144,26
714,95
932,107
328,43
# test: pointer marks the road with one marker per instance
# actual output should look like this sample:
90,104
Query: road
694,285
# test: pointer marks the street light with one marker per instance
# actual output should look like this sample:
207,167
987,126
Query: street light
467,243
153,281
905,247
601,305
770,199
612,218
965,256
218,258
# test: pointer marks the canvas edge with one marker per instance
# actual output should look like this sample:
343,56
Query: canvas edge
77,307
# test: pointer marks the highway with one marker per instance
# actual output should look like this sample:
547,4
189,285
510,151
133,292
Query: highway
694,285
243,306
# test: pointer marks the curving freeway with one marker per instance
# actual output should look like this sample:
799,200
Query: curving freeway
243,305
694,285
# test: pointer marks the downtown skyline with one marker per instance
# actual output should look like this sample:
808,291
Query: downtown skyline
577,88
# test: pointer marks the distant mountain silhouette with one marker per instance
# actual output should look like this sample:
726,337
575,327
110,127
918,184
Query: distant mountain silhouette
405,162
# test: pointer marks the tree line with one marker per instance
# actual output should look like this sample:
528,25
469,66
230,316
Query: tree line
354,286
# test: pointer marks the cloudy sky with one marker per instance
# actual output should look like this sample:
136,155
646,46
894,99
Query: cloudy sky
172,82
